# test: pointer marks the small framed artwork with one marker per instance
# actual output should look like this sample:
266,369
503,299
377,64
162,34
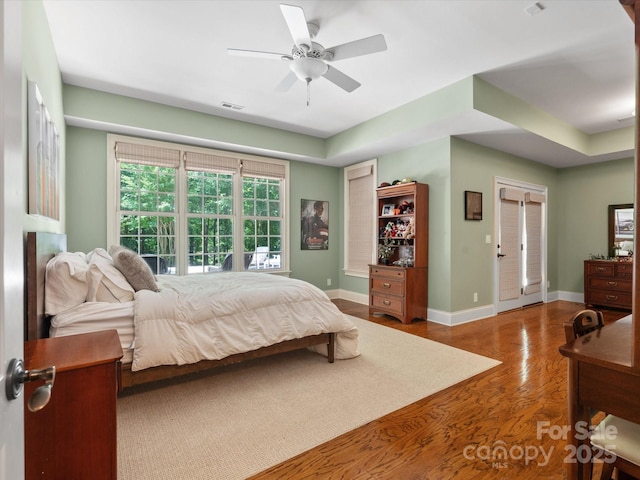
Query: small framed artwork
388,209
472,205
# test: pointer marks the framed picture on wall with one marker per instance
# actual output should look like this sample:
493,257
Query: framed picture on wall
44,158
472,205
314,221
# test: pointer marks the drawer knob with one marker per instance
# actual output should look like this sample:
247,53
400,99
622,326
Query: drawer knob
612,284
386,302
600,269
612,297
386,285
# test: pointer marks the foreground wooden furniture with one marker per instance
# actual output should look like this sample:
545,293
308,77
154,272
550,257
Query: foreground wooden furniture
42,246
582,322
401,290
608,283
74,435
602,376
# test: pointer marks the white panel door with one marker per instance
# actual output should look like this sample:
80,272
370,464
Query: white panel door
11,237
521,245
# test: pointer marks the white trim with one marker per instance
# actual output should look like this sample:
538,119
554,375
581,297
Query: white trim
454,318
500,182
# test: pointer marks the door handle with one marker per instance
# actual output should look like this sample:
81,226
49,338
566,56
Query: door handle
17,376
500,255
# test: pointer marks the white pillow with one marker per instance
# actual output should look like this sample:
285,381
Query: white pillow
106,283
66,282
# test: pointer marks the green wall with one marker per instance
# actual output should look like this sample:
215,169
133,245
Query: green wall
86,189
474,168
87,204
315,182
460,261
583,199
40,65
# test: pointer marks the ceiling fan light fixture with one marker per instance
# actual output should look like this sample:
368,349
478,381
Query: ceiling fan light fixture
308,69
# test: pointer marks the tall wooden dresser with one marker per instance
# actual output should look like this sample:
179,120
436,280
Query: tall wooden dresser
399,286
608,283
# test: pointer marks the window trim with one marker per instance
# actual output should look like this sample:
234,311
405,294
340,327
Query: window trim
181,239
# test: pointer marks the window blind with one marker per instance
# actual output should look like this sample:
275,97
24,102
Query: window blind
251,168
210,163
147,155
533,222
359,219
510,243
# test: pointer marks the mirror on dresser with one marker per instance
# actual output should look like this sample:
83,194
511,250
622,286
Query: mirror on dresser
621,229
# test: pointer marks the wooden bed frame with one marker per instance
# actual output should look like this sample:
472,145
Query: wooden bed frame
41,247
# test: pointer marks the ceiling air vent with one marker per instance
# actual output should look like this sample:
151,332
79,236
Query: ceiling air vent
534,9
232,106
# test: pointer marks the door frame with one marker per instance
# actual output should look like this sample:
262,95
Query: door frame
500,182
12,185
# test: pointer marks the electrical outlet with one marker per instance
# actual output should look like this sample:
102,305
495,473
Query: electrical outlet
475,297
328,282
487,239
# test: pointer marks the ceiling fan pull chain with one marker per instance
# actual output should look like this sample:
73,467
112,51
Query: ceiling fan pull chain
308,91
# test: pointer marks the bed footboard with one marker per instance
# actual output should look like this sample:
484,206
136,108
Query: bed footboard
128,378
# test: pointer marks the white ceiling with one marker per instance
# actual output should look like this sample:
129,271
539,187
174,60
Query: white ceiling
575,60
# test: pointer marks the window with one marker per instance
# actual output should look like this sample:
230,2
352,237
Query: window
191,210
359,215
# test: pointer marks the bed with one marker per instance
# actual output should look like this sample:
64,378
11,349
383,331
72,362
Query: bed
253,318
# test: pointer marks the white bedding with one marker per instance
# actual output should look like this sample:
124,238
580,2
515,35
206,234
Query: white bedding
200,317
93,316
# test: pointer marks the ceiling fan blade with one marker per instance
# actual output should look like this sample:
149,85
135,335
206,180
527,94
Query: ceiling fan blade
287,82
297,23
340,79
364,46
256,54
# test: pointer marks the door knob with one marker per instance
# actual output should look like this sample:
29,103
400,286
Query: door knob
17,376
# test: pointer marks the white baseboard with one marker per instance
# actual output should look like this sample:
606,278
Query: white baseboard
461,316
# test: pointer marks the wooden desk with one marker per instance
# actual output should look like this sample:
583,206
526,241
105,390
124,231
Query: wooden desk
601,376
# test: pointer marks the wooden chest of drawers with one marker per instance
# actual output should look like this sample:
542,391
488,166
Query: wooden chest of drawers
608,283
75,435
398,291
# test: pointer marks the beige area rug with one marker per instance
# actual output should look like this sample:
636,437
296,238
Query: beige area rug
240,420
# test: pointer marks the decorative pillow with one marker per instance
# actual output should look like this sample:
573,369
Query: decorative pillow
106,282
134,268
66,282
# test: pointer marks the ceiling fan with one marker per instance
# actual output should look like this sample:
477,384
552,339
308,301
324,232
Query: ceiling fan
308,59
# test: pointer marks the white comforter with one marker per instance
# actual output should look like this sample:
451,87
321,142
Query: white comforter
199,317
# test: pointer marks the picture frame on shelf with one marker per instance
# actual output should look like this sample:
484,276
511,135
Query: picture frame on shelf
472,205
387,209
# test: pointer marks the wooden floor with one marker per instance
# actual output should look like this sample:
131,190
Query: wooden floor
503,423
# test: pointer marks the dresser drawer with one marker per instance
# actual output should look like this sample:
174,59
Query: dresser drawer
388,272
609,297
601,269
625,270
611,284
387,285
394,305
